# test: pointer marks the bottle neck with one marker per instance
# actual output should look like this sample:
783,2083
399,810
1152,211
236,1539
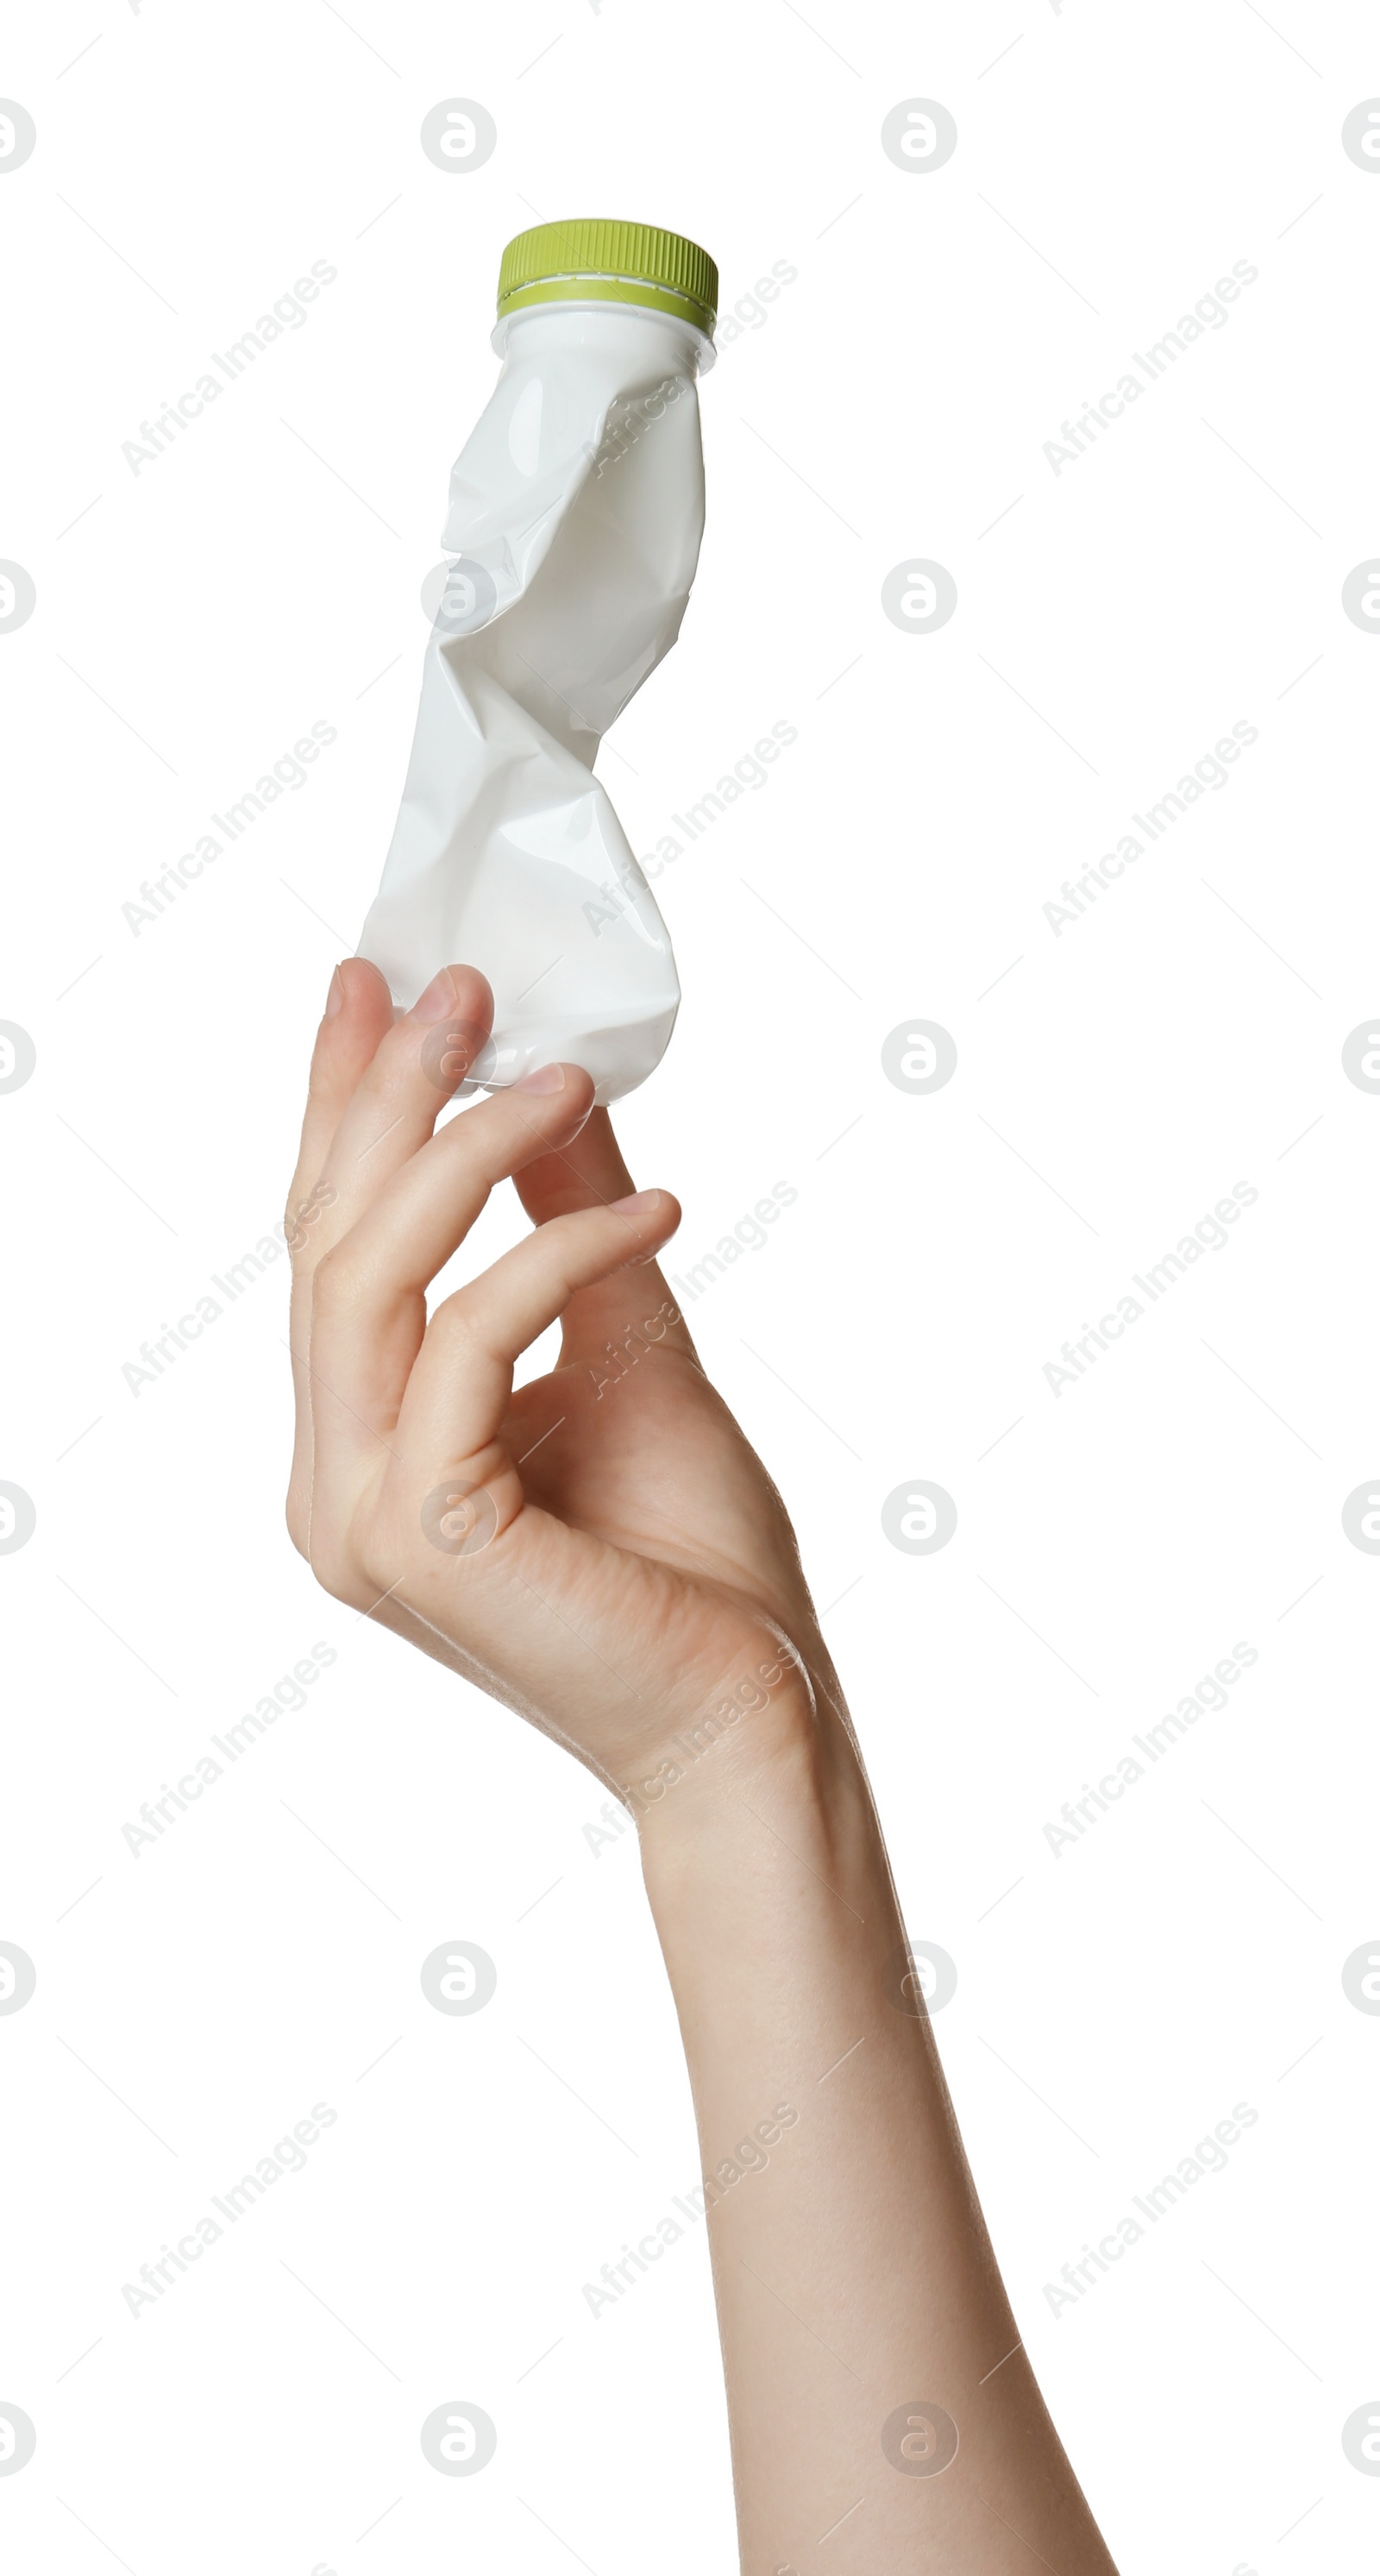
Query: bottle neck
605,325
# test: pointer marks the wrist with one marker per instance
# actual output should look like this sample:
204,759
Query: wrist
773,1902
792,1761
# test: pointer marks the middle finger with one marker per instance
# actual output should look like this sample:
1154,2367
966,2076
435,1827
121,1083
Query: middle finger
416,1069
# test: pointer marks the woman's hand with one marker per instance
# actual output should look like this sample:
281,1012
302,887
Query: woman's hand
602,1550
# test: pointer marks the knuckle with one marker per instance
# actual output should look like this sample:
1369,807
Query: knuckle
334,1569
336,1547
303,1214
386,1079
333,1280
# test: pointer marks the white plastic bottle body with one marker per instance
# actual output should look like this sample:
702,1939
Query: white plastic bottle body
575,519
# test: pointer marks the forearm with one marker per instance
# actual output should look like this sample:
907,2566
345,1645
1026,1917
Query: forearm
855,2282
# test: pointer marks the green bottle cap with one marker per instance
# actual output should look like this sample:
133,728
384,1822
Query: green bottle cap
595,261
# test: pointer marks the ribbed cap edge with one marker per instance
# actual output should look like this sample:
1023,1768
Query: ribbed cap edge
599,247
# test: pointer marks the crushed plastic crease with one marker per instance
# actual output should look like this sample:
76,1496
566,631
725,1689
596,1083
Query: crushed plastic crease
575,519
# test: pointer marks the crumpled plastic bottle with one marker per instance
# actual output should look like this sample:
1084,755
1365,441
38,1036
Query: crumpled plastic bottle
576,513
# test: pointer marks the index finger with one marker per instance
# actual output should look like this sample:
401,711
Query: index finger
358,1013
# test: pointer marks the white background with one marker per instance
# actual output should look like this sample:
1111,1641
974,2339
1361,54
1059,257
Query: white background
1114,1540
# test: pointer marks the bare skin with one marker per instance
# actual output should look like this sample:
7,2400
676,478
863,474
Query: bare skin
604,1553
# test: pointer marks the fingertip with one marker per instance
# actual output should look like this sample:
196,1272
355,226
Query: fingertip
581,1088
357,1016
358,1005
656,1211
545,1080
360,981
474,995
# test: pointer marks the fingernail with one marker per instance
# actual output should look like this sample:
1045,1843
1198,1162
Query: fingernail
641,1203
335,999
548,1077
438,1001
